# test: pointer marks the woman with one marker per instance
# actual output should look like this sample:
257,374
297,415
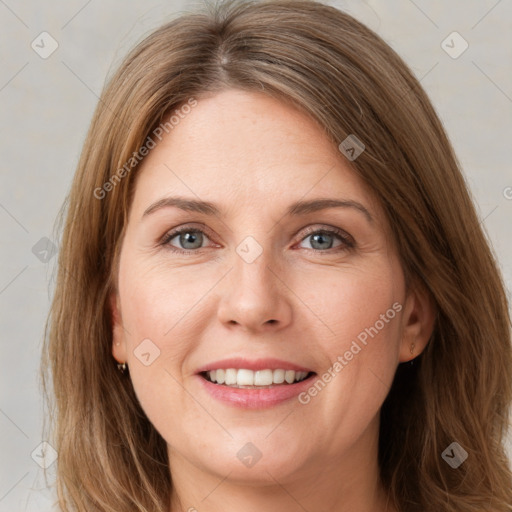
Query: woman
274,292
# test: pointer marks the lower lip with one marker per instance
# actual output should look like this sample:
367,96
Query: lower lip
262,398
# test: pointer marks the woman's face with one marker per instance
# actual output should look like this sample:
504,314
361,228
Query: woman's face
266,277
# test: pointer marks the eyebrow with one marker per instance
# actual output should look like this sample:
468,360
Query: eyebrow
297,208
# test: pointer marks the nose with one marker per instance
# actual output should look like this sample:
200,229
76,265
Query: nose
254,296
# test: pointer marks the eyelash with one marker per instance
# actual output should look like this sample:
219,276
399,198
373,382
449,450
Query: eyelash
348,242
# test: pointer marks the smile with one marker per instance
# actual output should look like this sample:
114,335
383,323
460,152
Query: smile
245,378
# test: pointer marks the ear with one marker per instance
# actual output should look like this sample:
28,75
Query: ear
118,341
418,322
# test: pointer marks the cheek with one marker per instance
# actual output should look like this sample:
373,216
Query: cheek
169,307
159,300
161,330
363,312
352,301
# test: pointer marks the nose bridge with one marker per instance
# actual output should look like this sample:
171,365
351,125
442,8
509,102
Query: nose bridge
253,296
252,265
252,268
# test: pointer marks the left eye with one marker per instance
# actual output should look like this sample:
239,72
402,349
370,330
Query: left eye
324,239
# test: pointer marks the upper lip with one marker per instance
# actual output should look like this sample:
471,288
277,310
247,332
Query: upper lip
254,364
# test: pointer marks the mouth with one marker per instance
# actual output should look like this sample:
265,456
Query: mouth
244,378
254,384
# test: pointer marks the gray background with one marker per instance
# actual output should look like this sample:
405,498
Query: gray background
46,106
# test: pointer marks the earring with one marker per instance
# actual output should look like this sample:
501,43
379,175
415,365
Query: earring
121,367
412,353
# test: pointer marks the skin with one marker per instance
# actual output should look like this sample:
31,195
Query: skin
253,156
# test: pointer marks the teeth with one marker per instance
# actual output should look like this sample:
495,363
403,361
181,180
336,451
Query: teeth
263,377
278,376
243,377
231,375
289,376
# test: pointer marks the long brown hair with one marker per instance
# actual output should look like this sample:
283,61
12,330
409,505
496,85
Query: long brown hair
351,82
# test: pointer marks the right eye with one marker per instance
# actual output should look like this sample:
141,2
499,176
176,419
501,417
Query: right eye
189,239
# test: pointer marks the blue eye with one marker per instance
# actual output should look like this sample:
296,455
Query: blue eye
189,239
324,239
321,240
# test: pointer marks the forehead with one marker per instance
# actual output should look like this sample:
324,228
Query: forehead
249,148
